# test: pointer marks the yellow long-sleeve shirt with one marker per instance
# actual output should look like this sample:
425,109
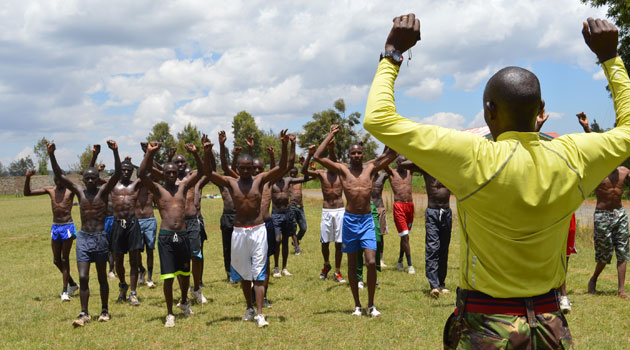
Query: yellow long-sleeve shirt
515,196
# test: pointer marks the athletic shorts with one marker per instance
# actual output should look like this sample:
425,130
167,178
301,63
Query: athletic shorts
283,223
358,233
109,221
203,236
249,253
382,220
148,227
271,239
92,247
193,227
331,225
62,232
571,249
126,235
174,250
403,217
611,233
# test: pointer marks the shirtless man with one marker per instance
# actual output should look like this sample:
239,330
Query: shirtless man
173,242
358,225
249,238
332,211
377,199
227,217
610,224
92,243
62,232
193,226
148,227
297,207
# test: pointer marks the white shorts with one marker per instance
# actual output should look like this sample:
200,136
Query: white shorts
249,253
332,223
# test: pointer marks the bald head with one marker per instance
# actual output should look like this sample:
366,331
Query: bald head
513,97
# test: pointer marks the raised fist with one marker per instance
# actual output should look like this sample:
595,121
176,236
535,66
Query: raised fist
582,119
292,138
311,150
112,144
127,159
222,137
30,173
283,136
270,150
50,147
313,166
171,152
190,148
334,129
204,138
154,146
101,167
250,141
601,37
405,33
96,149
237,150
207,146
143,145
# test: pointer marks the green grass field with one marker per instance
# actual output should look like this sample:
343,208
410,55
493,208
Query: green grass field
307,313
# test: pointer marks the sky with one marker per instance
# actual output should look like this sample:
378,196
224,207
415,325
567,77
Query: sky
83,72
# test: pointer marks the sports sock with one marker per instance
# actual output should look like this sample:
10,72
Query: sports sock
65,289
150,273
400,256
408,259
71,281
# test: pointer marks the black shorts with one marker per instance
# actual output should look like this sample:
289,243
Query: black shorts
271,237
126,235
202,230
284,223
92,247
174,250
193,228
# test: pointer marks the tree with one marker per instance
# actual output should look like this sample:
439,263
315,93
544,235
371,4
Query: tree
20,166
595,127
3,171
84,160
267,139
42,156
244,125
190,134
316,130
161,132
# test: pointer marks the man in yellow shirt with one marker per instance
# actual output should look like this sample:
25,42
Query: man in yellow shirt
510,264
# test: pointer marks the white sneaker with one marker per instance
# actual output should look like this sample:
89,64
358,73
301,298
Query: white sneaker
170,321
357,311
286,272
111,275
373,312
565,304
276,272
445,291
383,264
72,289
65,297
249,314
435,293
186,309
199,298
150,284
411,270
360,284
260,321
400,267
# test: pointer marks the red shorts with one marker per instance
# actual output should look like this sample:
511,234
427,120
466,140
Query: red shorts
571,240
403,217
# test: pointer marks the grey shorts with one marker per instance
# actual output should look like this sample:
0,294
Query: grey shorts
92,247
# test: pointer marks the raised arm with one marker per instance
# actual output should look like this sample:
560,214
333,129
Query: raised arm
96,149
156,165
27,185
192,179
272,157
388,156
171,153
104,191
67,183
250,144
277,171
146,165
292,139
583,120
224,163
307,162
318,156
235,152
211,174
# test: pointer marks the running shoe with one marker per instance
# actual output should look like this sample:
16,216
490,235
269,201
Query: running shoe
65,297
260,321
122,296
373,312
565,304
338,278
81,320
276,272
325,272
150,284
266,304
383,264
286,272
104,316
360,284
400,267
186,309
357,311
111,275
435,293
298,251
72,289
249,314
170,321
133,299
143,271
198,296
411,270
445,291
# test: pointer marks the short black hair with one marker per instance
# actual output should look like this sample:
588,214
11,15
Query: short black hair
244,157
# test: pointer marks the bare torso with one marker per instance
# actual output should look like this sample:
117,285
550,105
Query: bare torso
400,179
247,197
61,200
377,189
124,197
144,203
280,194
295,194
228,204
332,190
191,209
171,203
265,202
357,186
610,189
438,196
93,211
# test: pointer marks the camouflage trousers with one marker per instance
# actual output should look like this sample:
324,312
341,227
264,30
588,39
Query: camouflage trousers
498,331
610,234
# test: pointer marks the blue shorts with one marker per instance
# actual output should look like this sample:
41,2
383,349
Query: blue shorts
357,233
148,227
62,232
92,247
109,222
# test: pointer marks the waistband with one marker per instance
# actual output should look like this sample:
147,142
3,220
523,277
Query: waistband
190,217
329,210
129,218
64,223
109,217
280,211
297,206
401,202
92,233
249,227
169,232
441,210
357,216
228,212
147,219
610,211
478,302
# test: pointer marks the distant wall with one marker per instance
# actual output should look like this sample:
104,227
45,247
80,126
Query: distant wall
8,185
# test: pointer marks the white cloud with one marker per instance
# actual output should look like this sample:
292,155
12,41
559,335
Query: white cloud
556,115
599,75
429,89
445,119
478,120
26,152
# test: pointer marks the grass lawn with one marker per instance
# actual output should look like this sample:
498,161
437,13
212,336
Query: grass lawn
307,313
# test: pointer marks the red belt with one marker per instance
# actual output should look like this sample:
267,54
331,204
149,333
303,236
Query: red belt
482,303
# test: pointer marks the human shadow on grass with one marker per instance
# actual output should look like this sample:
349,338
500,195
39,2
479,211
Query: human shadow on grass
333,311
336,285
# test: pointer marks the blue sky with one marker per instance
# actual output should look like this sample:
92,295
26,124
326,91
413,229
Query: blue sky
81,72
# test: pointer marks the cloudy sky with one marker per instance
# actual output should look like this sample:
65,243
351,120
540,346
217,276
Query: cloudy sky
81,72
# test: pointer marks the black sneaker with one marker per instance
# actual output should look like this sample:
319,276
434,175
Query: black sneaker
122,296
